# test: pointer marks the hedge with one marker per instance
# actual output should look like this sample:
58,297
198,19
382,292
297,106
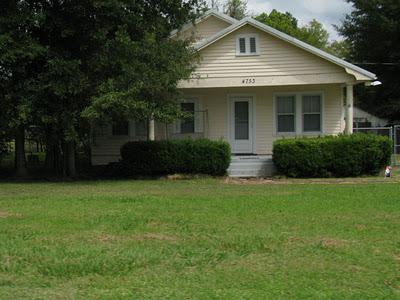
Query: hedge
200,156
332,156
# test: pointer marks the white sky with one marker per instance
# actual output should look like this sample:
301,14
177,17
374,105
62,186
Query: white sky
327,12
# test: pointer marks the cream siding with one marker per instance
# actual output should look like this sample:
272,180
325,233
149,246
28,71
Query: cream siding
204,29
278,63
215,101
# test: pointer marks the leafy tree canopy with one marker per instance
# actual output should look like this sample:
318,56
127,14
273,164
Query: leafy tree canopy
373,32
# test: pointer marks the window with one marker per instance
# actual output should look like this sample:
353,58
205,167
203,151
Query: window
286,116
311,113
141,128
187,124
120,128
299,113
246,45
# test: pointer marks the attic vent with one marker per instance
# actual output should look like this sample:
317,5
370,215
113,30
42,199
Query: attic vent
253,45
247,44
242,45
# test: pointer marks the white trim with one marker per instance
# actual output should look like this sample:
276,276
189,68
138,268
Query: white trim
247,37
250,21
299,130
252,125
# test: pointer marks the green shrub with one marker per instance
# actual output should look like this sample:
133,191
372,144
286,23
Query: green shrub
339,156
200,156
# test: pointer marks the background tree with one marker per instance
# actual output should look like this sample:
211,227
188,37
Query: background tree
236,8
373,32
20,59
109,59
313,33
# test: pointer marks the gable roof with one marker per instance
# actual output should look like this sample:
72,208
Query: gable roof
206,15
350,68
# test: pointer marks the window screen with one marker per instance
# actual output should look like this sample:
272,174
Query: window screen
187,124
312,113
141,128
242,45
253,47
286,114
120,128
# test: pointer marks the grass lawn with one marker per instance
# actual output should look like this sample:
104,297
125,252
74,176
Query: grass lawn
199,239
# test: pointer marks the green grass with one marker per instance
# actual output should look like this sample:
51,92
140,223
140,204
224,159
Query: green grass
199,239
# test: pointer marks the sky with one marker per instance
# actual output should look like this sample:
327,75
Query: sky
327,12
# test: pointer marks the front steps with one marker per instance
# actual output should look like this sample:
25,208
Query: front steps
251,166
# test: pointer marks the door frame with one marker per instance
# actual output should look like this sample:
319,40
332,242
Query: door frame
252,111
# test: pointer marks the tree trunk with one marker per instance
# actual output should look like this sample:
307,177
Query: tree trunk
53,162
20,160
70,158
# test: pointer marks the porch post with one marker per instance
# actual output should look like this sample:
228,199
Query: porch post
349,109
151,135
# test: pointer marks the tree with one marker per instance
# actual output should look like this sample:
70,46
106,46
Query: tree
284,22
20,57
108,59
373,29
236,8
313,33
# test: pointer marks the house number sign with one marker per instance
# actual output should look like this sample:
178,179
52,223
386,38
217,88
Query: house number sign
248,81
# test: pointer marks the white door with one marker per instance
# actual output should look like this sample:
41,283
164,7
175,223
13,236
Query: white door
241,124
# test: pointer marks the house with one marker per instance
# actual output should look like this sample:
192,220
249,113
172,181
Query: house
253,85
363,119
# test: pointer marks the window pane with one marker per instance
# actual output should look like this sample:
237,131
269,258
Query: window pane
312,122
286,104
253,45
311,104
286,123
242,120
141,128
120,128
242,45
187,124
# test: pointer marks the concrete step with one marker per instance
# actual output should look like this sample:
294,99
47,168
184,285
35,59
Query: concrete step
251,166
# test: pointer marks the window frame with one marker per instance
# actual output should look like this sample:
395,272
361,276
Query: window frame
188,101
247,44
312,113
294,114
198,124
299,124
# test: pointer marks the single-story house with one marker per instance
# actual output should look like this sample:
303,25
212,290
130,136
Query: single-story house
253,85
363,119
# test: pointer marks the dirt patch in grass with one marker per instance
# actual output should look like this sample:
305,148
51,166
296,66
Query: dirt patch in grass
6,214
333,243
109,238
261,181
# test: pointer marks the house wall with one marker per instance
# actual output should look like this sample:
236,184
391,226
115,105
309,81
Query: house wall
204,29
106,147
278,63
215,101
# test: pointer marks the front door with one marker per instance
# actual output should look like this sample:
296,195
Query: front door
241,124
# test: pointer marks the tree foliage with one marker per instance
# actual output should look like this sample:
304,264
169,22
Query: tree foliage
313,33
65,63
373,32
236,8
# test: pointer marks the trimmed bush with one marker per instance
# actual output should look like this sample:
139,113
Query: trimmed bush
200,156
332,156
